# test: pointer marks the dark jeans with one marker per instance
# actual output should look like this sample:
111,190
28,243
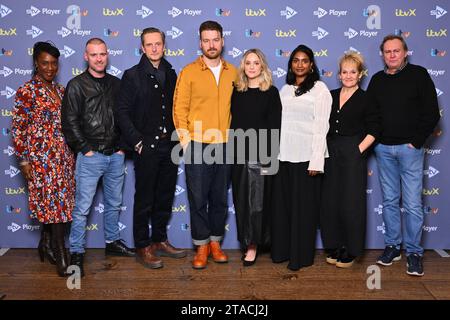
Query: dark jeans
207,186
155,181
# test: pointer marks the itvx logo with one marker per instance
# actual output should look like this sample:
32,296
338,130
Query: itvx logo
291,33
434,33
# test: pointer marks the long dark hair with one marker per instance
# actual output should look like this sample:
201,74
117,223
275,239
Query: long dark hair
311,78
46,47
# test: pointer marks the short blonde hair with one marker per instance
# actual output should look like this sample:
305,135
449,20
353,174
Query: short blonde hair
265,79
352,56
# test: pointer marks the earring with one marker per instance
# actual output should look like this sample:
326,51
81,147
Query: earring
311,70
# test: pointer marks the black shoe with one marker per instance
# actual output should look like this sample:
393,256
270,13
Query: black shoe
333,257
414,265
390,254
345,260
118,248
76,259
247,263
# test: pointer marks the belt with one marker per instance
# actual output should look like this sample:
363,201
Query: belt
108,151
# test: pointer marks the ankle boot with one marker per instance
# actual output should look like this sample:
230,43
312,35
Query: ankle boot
58,230
45,246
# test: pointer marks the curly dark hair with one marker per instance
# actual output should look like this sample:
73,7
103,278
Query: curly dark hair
311,78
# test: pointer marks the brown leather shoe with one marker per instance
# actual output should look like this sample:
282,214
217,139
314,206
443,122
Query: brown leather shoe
201,258
217,253
165,249
146,257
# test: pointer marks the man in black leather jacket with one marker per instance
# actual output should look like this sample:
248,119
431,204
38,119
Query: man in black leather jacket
144,114
89,127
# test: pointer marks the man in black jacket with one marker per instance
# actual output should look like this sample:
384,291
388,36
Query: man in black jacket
144,114
406,98
88,125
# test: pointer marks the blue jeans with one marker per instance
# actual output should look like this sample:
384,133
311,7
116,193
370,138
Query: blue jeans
88,172
207,186
401,174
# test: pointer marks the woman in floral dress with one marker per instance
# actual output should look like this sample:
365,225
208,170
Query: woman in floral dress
45,160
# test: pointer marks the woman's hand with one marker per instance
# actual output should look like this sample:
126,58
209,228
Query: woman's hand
26,171
313,173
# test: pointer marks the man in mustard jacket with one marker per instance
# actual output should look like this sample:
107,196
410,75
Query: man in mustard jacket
201,113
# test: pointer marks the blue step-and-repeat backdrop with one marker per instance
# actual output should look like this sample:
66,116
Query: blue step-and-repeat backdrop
329,27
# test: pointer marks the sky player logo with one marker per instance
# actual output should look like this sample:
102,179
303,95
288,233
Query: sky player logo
175,12
64,32
14,227
6,71
320,12
144,12
174,32
4,11
34,32
33,11
320,33
350,33
288,13
438,12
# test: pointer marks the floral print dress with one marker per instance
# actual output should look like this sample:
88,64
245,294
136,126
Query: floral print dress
38,139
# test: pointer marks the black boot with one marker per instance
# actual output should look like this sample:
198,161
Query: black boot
59,248
76,259
45,246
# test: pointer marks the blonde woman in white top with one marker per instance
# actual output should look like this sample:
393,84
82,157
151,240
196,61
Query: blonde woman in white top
306,103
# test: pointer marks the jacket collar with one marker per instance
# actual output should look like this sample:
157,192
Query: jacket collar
146,66
203,65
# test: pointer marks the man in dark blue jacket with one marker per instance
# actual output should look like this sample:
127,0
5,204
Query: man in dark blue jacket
144,114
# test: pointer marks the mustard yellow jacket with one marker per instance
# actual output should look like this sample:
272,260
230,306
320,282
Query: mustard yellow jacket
201,108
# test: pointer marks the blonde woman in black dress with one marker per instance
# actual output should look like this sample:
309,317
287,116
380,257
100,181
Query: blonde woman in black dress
255,109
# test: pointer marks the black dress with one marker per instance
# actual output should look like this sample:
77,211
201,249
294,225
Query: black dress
343,200
253,109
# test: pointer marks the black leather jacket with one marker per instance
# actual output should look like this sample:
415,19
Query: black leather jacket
88,113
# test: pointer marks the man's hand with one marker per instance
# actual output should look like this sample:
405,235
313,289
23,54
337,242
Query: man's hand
90,153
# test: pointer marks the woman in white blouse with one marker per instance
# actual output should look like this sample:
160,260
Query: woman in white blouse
306,103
